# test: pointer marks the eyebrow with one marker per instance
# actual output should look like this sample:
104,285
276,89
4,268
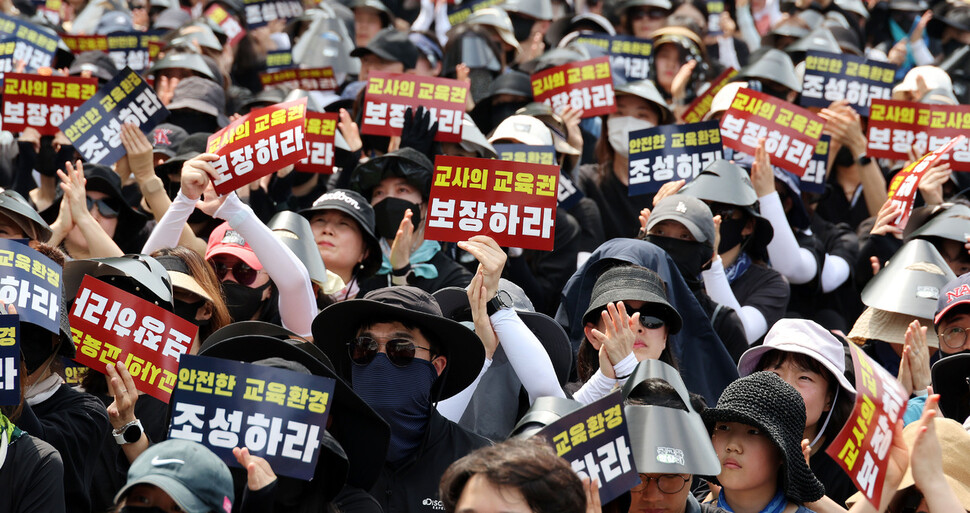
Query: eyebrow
393,335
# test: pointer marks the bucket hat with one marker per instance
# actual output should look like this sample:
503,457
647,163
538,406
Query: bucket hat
629,282
355,206
202,95
774,65
948,14
407,163
390,45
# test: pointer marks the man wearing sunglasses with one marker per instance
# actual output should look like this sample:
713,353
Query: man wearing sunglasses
402,356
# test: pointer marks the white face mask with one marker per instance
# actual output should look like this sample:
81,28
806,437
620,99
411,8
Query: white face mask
620,129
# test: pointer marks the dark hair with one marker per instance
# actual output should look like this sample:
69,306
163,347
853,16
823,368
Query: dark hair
545,480
657,392
203,274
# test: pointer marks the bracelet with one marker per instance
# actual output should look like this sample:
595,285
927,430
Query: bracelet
402,271
619,378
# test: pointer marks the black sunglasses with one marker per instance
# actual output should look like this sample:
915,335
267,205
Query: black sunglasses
108,207
400,351
647,321
244,274
653,14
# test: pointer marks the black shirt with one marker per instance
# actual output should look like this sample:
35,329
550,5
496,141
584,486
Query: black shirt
31,477
765,289
450,274
620,212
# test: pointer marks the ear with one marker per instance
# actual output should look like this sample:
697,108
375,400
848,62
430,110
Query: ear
267,292
587,329
206,312
440,363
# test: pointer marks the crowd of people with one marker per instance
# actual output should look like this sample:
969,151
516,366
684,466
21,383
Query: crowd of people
721,308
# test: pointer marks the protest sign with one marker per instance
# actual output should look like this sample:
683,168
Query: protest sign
831,77
279,59
568,195
903,187
629,56
32,283
791,132
895,127
595,440
131,49
702,104
321,130
671,152
85,43
584,85
261,12
9,359
257,144
42,102
8,46
280,415
714,10
310,79
512,202
72,372
110,325
220,16
95,128
34,45
458,13
390,94
880,401
814,178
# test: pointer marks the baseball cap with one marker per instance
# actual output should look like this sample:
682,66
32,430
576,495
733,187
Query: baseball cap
201,95
192,475
955,292
391,45
98,63
933,77
115,21
523,130
689,211
166,137
226,241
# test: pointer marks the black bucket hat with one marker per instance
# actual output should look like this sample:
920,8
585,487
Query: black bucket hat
359,209
631,282
951,375
408,163
336,325
765,401
14,206
544,411
362,433
946,14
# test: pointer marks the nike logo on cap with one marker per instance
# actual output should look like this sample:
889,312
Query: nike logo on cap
159,462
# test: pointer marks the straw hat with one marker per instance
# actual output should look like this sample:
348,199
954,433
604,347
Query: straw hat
875,324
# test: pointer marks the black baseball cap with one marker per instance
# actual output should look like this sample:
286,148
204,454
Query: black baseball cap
391,45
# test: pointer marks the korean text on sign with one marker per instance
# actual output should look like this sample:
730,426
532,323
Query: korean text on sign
33,45
42,102
8,46
458,13
629,56
791,132
586,85
596,442
895,127
814,178
110,325
278,414
257,144
31,282
95,127
279,59
568,194
72,372
390,94
232,28
671,152
903,187
831,77
310,79
321,130
9,360
862,446
702,104
512,202
261,12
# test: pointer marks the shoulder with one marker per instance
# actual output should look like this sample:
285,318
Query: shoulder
762,276
36,458
456,437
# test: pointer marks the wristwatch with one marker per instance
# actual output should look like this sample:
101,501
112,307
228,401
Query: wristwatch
129,433
501,301
863,160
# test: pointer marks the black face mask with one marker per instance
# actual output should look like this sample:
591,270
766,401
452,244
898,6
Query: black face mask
521,27
188,311
690,256
844,157
731,234
501,112
36,346
193,121
47,158
243,302
389,213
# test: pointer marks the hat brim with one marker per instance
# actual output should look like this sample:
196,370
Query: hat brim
875,324
380,52
246,255
200,106
338,324
374,253
173,487
690,225
189,284
670,316
750,359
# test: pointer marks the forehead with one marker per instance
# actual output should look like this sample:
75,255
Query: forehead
330,214
390,328
395,181
956,319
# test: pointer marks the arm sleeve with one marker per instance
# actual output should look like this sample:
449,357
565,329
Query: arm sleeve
717,286
835,271
599,385
298,304
921,53
454,407
168,230
425,17
795,263
726,53
528,358
441,23
748,31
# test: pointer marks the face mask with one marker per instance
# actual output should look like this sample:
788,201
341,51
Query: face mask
188,311
500,112
243,302
47,158
35,347
401,395
521,27
952,46
731,234
619,132
389,212
690,256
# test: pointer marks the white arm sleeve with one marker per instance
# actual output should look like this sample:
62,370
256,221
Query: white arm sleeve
599,385
528,358
921,54
298,305
454,407
441,23
835,270
727,54
425,17
748,30
795,263
717,286
169,228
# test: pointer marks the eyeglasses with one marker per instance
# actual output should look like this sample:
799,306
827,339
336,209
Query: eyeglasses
653,14
955,337
667,483
400,351
243,274
647,321
108,207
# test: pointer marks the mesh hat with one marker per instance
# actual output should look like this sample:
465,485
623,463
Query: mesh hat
630,282
689,211
201,95
192,475
226,241
765,401
391,45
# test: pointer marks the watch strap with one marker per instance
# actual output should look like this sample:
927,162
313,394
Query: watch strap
119,434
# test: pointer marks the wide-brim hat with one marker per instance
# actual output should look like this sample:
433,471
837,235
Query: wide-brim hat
950,221
765,401
190,61
390,45
774,65
14,206
355,206
103,179
646,90
361,431
911,282
948,15
626,283
876,324
337,325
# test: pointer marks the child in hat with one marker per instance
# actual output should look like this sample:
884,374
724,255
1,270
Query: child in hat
757,432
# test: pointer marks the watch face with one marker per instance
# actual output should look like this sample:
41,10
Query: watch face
132,434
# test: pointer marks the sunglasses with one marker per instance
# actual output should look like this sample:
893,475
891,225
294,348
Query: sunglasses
108,207
653,14
400,351
243,274
647,321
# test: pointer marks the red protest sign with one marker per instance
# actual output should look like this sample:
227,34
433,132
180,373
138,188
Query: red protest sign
321,129
110,325
42,102
512,202
310,79
390,94
863,444
903,187
702,104
791,132
257,144
232,28
897,127
585,85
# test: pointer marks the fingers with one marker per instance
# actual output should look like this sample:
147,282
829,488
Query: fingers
875,264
